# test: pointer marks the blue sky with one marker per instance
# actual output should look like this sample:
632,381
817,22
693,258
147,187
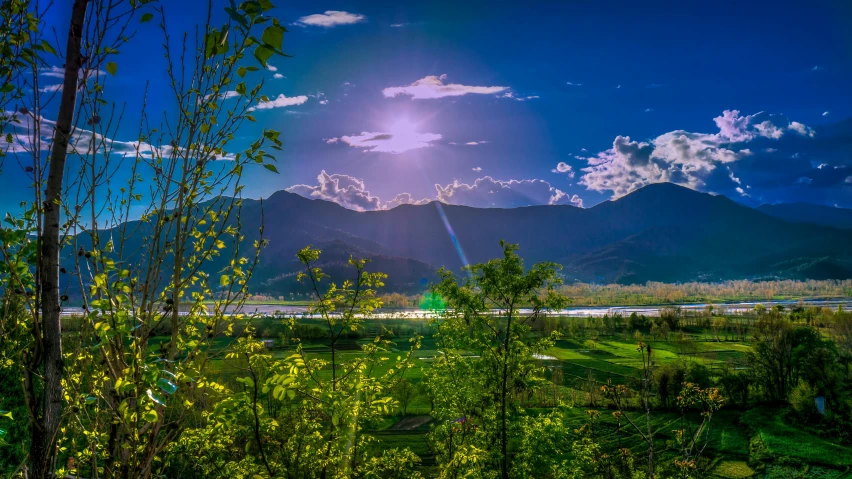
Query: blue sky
513,103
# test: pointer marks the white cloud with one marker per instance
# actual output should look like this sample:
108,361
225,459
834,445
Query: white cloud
280,102
51,88
575,84
398,25
278,76
619,86
350,192
323,102
85,142
682,157
331,18
331,141
816,68
486,192
563,167
432,87
345,190
477,169
404,199
848,180
391,142
59,72
648,110
511,94
825,113
476,143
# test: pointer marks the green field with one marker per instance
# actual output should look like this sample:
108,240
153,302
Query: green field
742,444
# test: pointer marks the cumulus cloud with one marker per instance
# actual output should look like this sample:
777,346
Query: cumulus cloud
331,18
345,190
432,87
278,76
280,102
350,192
684,157
563,167
390,142
404,199
486,192
477,168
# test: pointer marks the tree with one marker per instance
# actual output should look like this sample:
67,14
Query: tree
484,315
404,392
102,390
334,398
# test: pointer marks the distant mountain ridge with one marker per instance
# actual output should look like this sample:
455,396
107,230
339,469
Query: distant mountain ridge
662,232
808,213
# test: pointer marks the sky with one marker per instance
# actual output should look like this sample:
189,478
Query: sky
505,104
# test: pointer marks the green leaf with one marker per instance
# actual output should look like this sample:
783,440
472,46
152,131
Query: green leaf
147,17
270,167
241,71
111,67
47,47
263,53
150,416
273,36
237,16
225,280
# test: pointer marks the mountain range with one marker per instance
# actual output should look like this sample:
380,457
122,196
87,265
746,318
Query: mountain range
662,232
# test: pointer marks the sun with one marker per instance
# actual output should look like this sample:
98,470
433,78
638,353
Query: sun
402,128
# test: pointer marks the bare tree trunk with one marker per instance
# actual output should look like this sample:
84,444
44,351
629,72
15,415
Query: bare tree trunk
46,425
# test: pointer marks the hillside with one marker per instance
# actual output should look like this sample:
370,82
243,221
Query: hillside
662,232
807,213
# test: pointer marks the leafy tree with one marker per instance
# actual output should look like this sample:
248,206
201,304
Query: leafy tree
336,397
484,314
112,396
404,392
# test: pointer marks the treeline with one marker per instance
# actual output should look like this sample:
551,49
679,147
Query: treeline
652,293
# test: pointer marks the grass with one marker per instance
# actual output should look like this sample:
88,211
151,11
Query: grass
617,359
783,439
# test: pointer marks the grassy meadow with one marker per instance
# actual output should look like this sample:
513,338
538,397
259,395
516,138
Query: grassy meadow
759,442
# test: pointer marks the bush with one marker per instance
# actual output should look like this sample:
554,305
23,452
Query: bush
802,399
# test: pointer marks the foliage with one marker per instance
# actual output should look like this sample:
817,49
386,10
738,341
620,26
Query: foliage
483,315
